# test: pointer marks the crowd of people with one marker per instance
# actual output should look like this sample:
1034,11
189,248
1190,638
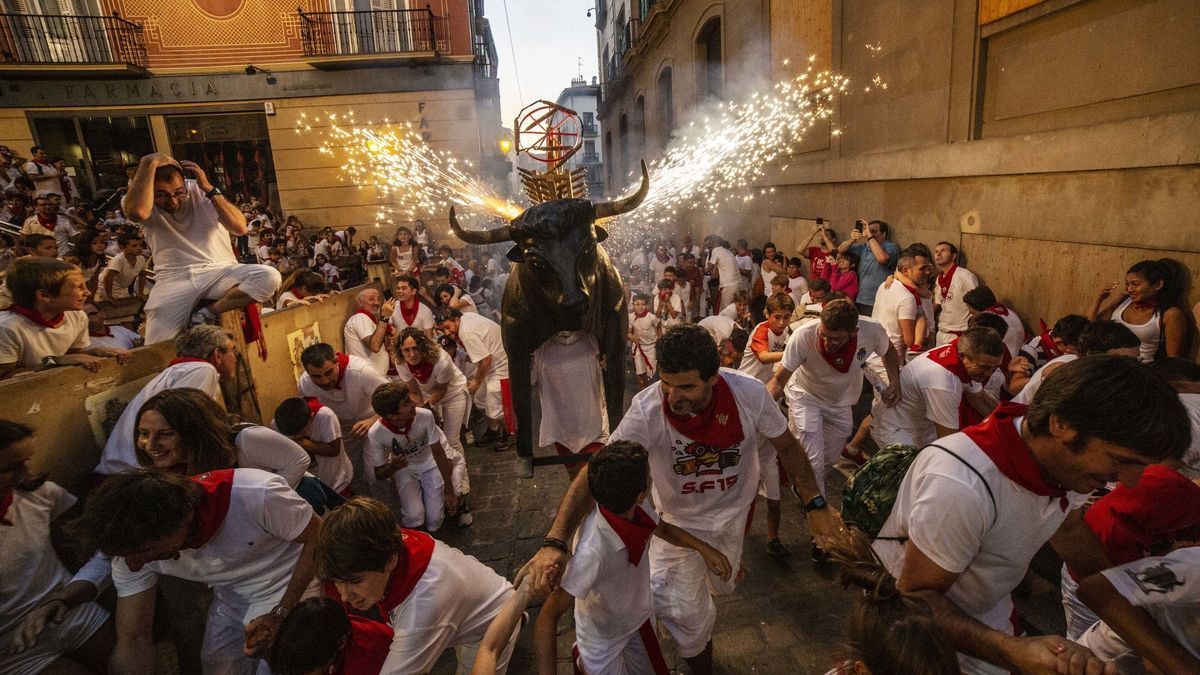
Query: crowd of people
316,533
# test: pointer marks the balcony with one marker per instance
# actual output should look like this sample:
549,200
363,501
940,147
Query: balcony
589,158
589,129
71,45
628,36
336,40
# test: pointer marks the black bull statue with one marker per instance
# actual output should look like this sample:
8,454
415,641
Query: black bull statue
561,280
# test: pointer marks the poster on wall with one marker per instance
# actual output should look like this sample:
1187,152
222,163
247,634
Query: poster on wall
300,340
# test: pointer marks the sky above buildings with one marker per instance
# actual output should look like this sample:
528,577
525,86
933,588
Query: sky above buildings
548,39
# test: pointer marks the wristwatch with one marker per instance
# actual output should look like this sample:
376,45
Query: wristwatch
280,611
213,192
50,362
815,504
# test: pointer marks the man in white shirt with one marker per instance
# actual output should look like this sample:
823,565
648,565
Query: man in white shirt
898,305
953,282
43,174
242,532
981,299
700,427
315,428
944,390
367,331
480,336
972,511
104,335
344,383
724,265
188,224
409,310
205,357
47,219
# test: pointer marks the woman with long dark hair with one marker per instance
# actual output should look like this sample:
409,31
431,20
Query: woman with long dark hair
1151,306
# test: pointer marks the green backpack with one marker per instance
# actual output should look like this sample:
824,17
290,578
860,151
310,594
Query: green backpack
870,494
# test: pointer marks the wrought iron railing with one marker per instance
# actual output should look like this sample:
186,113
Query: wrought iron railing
62,39
647,6
587,158
589,129
628,35
381,31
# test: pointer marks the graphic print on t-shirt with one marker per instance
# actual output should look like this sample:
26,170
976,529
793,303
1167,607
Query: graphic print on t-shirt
1158,578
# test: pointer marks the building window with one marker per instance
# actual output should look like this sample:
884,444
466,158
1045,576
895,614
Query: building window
589,152
666,106
709,52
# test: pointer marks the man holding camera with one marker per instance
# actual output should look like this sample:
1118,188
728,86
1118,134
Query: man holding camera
876,259
188,223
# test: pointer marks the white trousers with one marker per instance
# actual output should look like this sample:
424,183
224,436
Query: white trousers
683,587
489,398
57,640
176,292
453,410
1079,616
822,430
224,637
613,657
422,497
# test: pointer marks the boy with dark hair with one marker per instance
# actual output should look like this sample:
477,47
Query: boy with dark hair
1051,343
433,596
406,445
315,427
644,330
614,613
125,268
154,523
981,299
40,246
1100,337
319,636
971,513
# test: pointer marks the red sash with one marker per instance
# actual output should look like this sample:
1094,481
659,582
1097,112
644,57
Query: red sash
947,357
410,315
423,371
36,316
343,361
842,358
719,425
944,279
1000,440
635,534
5,502
366,647
649,639
912,289
314,404
402,431
186,359
213,506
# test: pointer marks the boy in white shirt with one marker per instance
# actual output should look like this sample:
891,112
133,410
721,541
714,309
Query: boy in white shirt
667,306
124,269
315,428
644,331
406,445
609,576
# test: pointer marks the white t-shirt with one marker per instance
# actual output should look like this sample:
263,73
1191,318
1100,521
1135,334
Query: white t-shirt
814,376
336,472
414,445
720,327
1026,394
676,304
891,305
762,338
645,328
121,338
955,312
726,267
25,343
287,299
264,448
798,287
696,486
125,274
452,604
444,373
929,394
29,568
249,560
1168,588
1191,456
359,328
658,267
612,597
352,401
566,372
120,453
193,235
1014,338
44,177
480,336
730,312
946,512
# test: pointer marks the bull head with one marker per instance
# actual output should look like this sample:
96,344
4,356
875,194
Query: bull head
511,232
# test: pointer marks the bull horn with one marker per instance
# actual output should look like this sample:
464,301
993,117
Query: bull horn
496,236
625,204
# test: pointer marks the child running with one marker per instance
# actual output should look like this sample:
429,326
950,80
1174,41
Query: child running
644,330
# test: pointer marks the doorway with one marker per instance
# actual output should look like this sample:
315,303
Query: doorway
234,149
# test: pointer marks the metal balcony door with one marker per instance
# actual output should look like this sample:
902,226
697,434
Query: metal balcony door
55,32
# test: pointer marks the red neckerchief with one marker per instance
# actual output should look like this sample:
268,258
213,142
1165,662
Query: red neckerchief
719,425
638,315
5,502
797,275
107,332
213,506
1047,342
842,358
410,315
295,290
913,290
368,315
947,357
36,316
366,648
48,222
418,551
633,533
343,361
186,359
1000,440
944,279
314,404
997,309
422,371
402,431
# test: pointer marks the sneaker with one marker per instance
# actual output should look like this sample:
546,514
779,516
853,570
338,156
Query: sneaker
818,554
854,455
489,436
776,549
503,442
202,316
464,516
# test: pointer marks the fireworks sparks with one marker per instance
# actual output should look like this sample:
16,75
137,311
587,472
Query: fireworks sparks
413,180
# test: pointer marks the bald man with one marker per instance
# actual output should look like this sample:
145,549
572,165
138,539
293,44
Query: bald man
369,329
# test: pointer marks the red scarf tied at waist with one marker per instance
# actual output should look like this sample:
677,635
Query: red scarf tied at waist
635,534
948,357
1001,441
